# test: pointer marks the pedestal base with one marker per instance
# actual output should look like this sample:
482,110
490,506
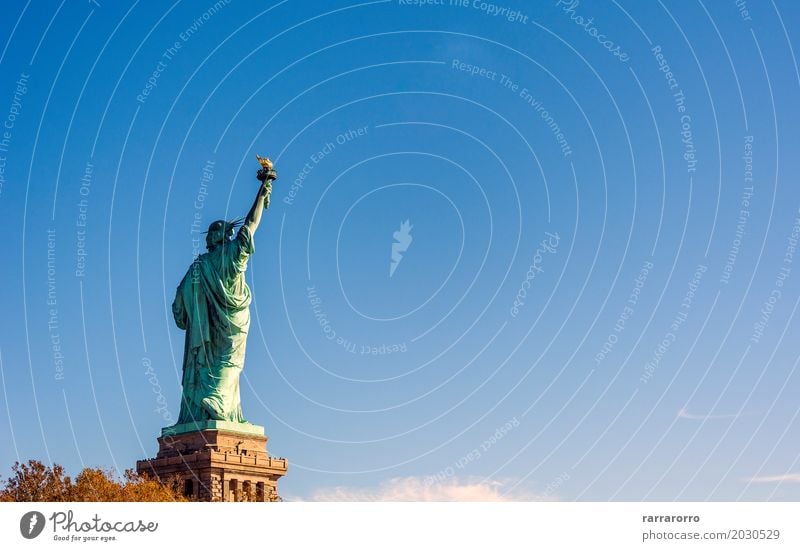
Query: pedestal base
218,464
244,428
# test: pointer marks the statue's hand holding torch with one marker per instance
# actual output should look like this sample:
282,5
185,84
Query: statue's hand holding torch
266,174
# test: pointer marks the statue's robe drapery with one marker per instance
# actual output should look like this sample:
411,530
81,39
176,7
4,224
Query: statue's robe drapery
212,304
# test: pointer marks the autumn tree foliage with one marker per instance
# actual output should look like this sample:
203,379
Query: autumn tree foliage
34,481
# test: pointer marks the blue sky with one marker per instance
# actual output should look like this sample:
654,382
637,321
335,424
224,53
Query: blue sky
597,300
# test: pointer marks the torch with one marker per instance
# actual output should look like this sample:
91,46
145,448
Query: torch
266,174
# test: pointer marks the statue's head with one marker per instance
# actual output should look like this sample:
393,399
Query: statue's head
218,231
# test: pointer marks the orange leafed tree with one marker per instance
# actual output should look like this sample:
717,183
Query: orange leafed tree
34,481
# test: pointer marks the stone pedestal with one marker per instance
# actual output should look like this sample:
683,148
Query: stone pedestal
218,461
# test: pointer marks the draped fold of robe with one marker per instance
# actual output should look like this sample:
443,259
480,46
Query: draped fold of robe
212,304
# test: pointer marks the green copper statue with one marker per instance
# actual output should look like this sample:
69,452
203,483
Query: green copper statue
212,304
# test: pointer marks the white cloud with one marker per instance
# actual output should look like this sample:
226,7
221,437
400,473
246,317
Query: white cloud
788,477
413,488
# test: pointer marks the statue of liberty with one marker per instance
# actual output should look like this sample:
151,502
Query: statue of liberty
212,304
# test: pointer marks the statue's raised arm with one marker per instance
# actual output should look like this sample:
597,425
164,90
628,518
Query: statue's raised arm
265,175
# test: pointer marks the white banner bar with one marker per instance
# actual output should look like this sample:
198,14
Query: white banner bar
401,526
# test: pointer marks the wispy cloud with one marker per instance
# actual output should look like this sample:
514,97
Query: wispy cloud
683,413
788,477
412,488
